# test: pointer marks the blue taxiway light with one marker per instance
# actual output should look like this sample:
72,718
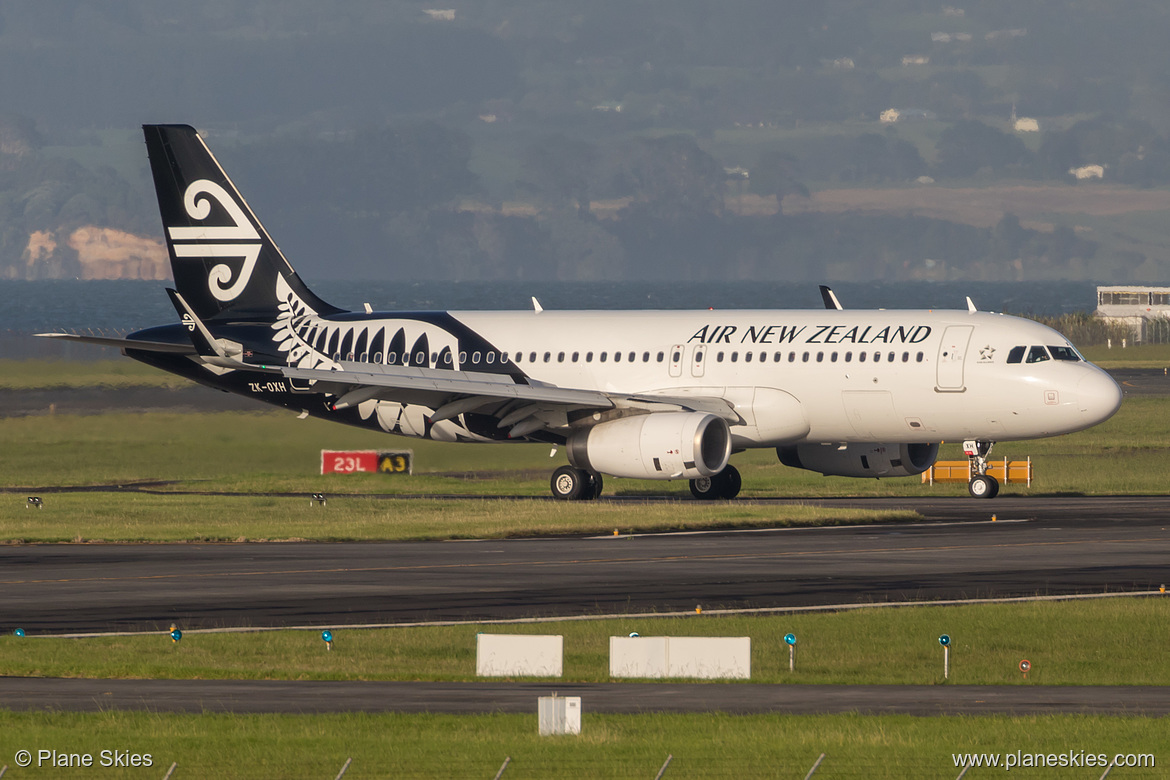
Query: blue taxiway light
790,639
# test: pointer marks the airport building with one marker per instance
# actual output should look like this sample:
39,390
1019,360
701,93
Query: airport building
1145,310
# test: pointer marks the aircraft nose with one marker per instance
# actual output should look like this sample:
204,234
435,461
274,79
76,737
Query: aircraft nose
1098,395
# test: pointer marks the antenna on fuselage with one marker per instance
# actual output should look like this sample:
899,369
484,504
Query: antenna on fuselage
536,305
830,298
971,306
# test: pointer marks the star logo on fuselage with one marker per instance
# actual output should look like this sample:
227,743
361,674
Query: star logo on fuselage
986,354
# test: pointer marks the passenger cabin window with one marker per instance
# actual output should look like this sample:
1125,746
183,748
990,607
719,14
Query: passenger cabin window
1037,355
531,357
1016,354
661,356
588,357
547,356
734,356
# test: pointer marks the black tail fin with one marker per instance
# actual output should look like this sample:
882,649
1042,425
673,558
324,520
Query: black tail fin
223,260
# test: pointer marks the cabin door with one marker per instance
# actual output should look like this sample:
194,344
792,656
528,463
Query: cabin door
952,353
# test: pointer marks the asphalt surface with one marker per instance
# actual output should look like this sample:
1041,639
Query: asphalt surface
265,696
1036,546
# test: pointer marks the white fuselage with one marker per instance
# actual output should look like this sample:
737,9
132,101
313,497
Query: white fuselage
809,376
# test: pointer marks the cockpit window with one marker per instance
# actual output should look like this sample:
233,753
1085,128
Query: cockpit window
1017,354
1065,353
1037,355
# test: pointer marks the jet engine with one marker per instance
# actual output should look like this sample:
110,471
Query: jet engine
659,445
861,460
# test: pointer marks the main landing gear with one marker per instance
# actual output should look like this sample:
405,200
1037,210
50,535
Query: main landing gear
725,485
573,484
982,484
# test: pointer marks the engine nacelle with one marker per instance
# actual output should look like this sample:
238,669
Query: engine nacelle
660,445
861,460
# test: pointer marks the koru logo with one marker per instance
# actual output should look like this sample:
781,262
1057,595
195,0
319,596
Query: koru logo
239,239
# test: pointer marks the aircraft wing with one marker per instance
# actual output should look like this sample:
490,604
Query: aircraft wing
525,407
109,341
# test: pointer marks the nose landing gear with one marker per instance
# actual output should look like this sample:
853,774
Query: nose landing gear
982,484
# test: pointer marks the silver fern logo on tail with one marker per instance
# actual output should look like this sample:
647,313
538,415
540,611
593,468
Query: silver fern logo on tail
197,241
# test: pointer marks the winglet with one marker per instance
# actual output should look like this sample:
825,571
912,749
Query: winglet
971,306
830,298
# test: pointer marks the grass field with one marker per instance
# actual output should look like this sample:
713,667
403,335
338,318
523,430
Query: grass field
137,517
707,745
267,452
1094,642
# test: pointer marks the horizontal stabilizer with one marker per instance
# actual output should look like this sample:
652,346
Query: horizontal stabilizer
109,341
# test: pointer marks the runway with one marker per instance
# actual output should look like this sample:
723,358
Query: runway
304,697
1036,546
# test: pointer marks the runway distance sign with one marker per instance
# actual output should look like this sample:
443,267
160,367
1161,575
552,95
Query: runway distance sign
367,461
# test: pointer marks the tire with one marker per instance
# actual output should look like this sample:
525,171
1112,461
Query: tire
568,483
707,488
983,487
595,486
731,482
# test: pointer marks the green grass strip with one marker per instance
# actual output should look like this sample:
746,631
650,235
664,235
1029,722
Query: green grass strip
140,517
711,745
1107,642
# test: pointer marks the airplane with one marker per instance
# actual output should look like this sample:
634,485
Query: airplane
658,395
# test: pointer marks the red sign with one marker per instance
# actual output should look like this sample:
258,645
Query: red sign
351,462
367,462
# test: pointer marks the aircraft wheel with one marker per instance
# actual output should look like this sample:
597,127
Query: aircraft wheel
731,482
707,488
984,486
594,488
568,483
